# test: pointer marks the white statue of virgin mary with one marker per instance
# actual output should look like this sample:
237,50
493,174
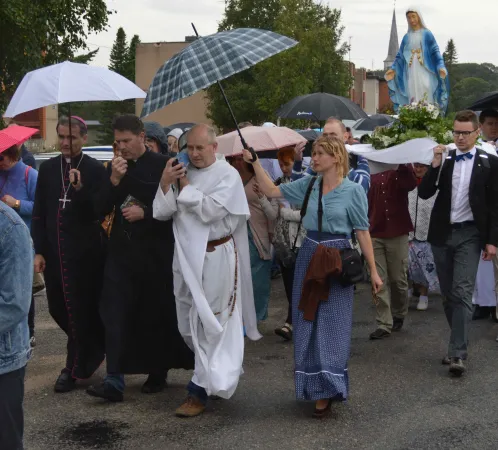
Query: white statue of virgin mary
418,71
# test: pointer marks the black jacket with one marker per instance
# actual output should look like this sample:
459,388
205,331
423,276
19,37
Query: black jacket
483,198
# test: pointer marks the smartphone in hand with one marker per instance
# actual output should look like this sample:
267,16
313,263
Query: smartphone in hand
183,158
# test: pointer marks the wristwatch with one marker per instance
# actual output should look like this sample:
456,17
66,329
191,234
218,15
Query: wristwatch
18,204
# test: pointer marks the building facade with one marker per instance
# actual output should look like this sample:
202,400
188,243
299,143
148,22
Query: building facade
149,58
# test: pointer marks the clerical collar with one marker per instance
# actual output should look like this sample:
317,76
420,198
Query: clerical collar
77,158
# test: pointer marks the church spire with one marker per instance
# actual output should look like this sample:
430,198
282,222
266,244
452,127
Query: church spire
393,44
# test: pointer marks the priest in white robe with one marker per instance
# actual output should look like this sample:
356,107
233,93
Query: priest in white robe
211,266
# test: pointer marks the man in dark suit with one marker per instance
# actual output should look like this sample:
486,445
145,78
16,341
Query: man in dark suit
464,221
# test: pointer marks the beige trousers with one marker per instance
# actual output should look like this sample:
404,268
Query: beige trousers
391,259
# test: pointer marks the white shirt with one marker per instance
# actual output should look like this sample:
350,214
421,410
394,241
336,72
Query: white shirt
460,205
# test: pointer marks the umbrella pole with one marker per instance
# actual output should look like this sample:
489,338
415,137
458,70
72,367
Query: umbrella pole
244,143
75,182
70,131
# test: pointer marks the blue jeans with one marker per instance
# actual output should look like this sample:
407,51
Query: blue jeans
198,392
116,380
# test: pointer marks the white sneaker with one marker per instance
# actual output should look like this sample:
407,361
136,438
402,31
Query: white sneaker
423,303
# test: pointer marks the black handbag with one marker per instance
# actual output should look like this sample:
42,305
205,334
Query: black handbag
352,264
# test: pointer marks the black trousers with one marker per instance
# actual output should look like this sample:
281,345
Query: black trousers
31,317
288,279
11,411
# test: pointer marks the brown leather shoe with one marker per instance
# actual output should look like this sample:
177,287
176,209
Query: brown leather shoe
191,408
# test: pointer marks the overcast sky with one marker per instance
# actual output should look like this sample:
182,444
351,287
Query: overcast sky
368,22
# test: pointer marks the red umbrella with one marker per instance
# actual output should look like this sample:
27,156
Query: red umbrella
14,136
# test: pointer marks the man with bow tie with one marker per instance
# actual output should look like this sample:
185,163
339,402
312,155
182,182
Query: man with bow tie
464,221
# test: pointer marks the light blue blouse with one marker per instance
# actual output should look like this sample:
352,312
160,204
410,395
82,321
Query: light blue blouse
344,208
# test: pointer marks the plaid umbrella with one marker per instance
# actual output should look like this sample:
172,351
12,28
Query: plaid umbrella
211,59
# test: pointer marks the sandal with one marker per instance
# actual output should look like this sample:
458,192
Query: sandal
321,413
285,332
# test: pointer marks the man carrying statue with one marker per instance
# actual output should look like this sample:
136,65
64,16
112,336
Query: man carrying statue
418,72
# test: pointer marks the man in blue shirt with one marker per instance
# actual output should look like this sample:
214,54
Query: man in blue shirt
359,172
16,275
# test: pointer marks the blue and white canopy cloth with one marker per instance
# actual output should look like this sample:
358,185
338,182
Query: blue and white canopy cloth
413,151
210,59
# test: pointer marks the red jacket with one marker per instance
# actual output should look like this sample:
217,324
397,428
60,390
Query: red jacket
388,202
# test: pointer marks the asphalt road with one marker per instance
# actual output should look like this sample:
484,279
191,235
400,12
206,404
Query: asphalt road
401,397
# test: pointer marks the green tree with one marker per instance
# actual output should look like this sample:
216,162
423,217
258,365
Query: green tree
86,58
118,61
468,91
130,58
43,32
315,64
450,55
122,61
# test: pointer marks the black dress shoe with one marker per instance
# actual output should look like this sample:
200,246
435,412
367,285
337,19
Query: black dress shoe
65,383
397,323
481,312
456,367
154,384
379,334
446,361
105,391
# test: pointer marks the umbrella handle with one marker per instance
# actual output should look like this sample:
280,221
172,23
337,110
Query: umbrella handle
440,168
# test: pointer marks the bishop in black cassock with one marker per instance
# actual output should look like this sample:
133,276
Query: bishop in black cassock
69,249
138,307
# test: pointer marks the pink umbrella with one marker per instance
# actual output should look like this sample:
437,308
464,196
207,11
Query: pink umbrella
259,138
15,135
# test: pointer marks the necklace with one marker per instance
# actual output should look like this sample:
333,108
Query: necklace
65,200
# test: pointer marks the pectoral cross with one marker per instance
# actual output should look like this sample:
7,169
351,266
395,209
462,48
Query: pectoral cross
64,201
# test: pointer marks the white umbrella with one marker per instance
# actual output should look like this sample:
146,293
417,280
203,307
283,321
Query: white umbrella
70,82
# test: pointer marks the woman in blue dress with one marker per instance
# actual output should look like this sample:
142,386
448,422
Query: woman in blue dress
322,346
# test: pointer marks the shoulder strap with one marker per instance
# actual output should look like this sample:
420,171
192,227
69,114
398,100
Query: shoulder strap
320,206
304,207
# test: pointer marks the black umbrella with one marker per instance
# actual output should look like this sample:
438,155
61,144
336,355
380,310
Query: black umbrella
320,106
182,125
372,122
310,135
489,101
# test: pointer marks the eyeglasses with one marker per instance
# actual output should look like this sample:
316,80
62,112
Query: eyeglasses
463,133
